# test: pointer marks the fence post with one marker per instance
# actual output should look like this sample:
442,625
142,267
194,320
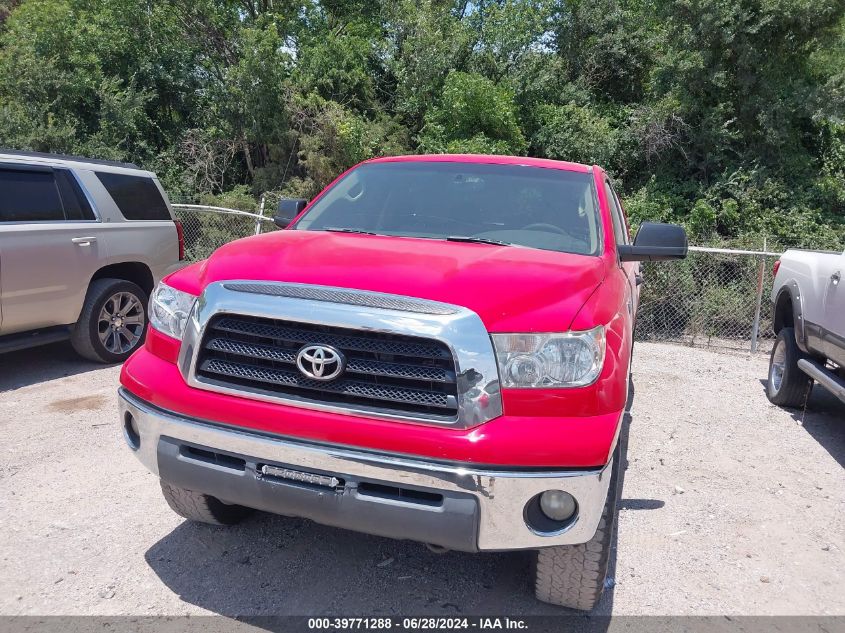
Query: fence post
761,272
261,213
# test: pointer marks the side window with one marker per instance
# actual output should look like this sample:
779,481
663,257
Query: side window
620,229
74,201
137,197
29,195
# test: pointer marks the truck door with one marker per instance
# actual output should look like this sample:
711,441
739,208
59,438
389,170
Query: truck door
631,270
46,256
833,319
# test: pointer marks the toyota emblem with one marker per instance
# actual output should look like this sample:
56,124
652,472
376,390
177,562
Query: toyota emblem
320,362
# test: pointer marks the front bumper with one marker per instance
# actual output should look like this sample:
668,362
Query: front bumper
450,505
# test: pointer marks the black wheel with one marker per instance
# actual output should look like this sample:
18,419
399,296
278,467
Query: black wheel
573,576
113,321
203,508
787,386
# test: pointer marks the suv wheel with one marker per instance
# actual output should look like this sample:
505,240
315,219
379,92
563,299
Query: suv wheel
203,508
113,321
787,386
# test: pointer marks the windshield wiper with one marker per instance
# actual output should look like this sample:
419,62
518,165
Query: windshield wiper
336,229
475,240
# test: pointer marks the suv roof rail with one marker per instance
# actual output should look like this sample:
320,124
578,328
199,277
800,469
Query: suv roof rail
79,159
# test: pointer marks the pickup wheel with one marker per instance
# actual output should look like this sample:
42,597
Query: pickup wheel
112,323
573,575
203,508
787,386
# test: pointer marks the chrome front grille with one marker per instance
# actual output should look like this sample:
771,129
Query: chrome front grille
390,372
407,359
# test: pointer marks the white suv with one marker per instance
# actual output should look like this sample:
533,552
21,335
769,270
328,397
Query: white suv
82,244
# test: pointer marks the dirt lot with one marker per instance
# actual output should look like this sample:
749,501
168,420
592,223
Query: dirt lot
729,506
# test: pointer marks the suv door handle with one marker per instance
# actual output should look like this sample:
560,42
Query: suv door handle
835,277
83,241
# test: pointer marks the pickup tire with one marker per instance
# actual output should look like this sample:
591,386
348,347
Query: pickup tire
573,576
92,337
203,508
787,385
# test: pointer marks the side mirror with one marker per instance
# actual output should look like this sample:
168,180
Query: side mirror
655,242
288,209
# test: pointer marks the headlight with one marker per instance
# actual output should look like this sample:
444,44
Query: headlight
549,361
169,310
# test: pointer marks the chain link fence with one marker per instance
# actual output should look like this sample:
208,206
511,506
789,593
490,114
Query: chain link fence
715,298
207,228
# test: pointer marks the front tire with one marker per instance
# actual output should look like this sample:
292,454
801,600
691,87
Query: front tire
113,321
787,385
196,506
573,576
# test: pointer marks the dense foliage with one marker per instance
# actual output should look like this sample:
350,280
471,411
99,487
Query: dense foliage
726,115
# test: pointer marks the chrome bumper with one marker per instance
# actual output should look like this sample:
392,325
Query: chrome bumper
501,496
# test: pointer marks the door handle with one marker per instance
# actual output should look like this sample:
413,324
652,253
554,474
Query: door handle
835,277
83,241
638,278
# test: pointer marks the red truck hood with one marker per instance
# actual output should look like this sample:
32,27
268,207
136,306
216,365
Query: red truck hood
512,289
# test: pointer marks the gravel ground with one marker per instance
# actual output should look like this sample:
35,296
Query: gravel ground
729,506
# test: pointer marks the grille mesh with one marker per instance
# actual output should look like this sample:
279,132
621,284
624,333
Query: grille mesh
351,342
355,365
393,373
349,387
253,351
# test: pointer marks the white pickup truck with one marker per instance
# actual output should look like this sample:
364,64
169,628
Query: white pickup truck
809,319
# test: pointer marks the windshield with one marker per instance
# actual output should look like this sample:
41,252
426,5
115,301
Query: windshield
550,209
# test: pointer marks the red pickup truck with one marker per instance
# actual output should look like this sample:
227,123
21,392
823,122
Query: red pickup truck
438,348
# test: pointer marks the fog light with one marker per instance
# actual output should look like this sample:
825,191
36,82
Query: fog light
557,505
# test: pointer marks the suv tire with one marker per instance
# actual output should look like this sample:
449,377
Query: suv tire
101,334
787,385
203,508
573,576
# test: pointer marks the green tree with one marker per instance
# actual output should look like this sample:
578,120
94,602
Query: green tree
575,133
426,42
474,114
725,115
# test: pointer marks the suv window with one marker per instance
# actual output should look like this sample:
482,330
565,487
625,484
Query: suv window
137,197
29,195
620,229
73,200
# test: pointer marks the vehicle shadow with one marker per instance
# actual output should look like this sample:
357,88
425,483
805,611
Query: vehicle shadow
641,504
272,566
40,364
285,566
823,418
